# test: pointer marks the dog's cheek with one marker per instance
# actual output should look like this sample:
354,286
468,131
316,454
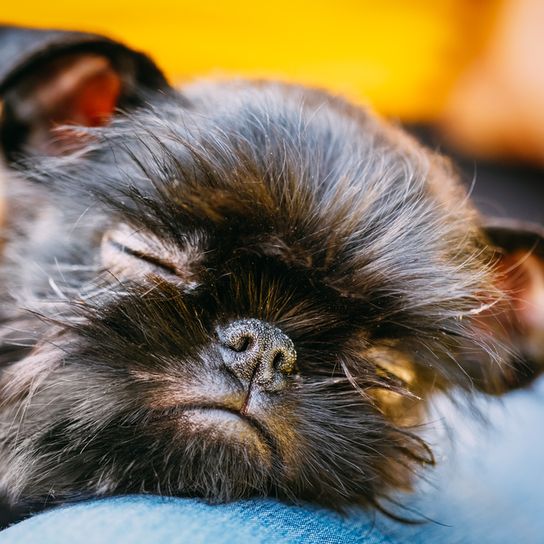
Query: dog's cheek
58,411
28,375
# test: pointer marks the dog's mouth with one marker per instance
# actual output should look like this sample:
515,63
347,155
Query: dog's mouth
224,423
218,414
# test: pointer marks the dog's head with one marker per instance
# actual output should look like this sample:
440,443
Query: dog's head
242,288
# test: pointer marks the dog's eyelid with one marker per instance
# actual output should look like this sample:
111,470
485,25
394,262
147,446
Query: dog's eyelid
135,253
149,258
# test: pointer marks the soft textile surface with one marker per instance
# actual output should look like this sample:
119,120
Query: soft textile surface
490,490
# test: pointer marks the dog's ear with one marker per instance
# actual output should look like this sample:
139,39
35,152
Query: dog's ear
54,78
520,263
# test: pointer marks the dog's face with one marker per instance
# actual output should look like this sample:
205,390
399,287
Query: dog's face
247,289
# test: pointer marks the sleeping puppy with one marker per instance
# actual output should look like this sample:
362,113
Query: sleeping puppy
235,289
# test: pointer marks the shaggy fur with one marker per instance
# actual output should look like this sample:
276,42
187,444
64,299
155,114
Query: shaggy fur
240,200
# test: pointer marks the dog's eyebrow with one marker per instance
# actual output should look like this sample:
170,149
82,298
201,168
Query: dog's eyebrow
287,253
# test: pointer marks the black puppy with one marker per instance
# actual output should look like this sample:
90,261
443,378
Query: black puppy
238,289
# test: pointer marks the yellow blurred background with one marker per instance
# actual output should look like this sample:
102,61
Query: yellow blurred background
402,57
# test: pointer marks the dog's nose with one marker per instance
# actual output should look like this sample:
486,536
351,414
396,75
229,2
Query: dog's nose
257,353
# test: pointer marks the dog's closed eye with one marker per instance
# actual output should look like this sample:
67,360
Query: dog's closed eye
131,254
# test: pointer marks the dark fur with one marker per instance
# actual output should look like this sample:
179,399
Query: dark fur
278,203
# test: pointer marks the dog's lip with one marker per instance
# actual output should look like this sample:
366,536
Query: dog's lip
253,422
260,429
258,426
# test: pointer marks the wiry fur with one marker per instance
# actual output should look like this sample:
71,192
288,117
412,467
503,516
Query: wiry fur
272,202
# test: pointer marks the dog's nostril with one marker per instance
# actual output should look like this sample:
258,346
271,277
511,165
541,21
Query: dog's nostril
284,360
242,343
278,360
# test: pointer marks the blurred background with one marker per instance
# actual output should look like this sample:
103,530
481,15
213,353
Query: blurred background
403,57
467,76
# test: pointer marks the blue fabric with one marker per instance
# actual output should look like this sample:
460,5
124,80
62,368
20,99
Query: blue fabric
489,489
156,520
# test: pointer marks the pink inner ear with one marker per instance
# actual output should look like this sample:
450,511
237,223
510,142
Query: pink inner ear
94,98
524,281
79,90
525,278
